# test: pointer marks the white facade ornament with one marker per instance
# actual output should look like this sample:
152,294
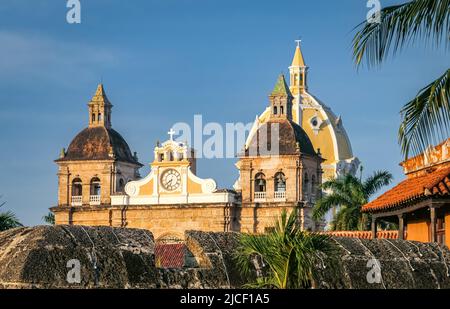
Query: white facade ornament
315,123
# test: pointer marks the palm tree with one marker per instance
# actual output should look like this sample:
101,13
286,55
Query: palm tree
350,194
49,218
426,118
288,253
8,220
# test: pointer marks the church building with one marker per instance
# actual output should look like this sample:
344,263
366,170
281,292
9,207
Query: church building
97,164
292,147
325,130
279,168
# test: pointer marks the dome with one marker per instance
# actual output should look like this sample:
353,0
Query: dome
291,137
99,143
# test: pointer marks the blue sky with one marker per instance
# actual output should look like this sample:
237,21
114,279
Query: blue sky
163,61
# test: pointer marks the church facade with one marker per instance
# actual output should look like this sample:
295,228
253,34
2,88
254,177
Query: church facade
325,130
293,145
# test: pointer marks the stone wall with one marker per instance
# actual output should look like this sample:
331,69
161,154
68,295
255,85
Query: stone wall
124,258
161,219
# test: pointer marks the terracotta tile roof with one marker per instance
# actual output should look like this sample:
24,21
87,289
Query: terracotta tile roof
364,234
169,255
411,189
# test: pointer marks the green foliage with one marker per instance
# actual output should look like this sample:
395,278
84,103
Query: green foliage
8,220
350,194
288,253
425,119
49,218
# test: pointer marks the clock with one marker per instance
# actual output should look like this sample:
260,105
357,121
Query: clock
171,180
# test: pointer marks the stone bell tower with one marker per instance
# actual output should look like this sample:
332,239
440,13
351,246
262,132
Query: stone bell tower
97,165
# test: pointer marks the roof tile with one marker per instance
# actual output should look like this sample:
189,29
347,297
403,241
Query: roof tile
435,182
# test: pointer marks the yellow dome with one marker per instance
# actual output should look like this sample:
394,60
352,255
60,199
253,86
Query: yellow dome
323,127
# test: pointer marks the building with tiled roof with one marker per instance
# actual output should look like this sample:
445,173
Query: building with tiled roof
420,203
279,168
97,164
324,128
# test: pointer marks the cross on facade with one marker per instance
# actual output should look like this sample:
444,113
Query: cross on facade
171,134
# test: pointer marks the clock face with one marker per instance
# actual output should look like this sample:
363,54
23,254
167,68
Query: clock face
171,180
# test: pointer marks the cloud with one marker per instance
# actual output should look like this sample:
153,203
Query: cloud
31,56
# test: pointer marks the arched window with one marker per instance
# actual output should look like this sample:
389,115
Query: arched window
180,156
161,157
280,182
77,187
171,157
281,110
100,118
96,188
313,184
121,185
275,110
260,183
93,117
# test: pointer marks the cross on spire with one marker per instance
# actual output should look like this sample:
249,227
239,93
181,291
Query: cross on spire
298,41
171,133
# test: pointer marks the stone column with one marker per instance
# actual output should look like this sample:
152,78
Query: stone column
401,227
86,191
433,223
374,228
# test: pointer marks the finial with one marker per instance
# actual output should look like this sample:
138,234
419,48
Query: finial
62,154
158,143
171,133
298,41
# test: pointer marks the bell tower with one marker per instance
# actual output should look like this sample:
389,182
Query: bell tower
298,72
100,109
281,100
298,80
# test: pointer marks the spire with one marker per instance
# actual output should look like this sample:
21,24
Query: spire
281,100
298,74
281,88
100,96
298,60
100,109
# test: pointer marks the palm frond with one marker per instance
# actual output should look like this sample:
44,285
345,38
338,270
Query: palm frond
8,220
350,194
328,202
2,203
375,182
288,253
400,25
49,218
426,119
347,219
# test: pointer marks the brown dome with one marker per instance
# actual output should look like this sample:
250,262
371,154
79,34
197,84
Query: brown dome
292,139
99,143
